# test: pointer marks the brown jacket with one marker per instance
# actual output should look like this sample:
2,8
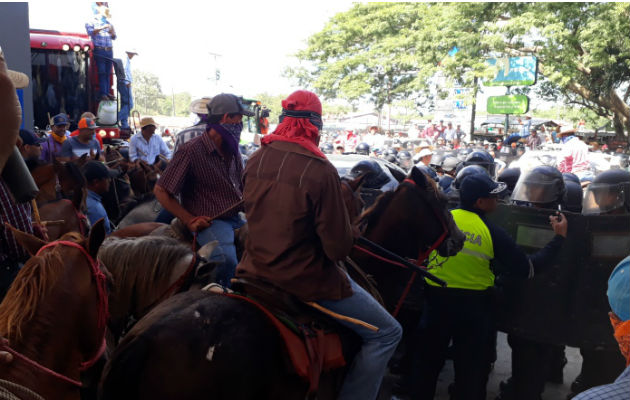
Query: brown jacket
298,224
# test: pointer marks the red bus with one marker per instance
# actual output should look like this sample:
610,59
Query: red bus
64,78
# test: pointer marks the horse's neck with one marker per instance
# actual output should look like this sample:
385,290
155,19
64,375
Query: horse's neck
53,349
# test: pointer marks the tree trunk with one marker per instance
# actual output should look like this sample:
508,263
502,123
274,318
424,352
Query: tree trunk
473,111
618,125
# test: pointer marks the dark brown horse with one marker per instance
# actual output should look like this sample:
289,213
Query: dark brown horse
226,348
54,314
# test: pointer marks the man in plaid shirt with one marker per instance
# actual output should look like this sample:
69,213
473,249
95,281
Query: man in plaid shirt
206,173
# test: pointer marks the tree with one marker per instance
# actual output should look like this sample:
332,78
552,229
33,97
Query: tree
147,93
181,102
273,103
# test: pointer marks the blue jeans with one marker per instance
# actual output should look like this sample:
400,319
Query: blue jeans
104,63
125,105
222,230
366,372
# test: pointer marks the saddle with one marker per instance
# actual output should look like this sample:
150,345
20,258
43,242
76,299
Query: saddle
312,340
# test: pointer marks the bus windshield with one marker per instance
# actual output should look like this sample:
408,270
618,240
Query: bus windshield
60,84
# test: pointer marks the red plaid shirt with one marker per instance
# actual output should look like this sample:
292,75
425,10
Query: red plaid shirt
207,183
19,216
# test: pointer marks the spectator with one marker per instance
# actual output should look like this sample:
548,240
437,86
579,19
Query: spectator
429,131
82,144
534,141
424,157
450,134
97,176
145,145
98,137
29,145
102,33
57,136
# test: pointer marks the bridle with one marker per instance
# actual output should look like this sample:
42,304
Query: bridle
101,282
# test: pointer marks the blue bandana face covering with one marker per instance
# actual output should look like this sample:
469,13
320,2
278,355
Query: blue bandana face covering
231,134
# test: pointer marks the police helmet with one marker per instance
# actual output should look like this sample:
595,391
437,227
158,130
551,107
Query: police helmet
542,186
390,158
363,148
445,183
436,161
569,176
608,194
405,160
449,163
481,158
391,152
328,148
574,196
510,176
429,172
463,153
375,177
466,172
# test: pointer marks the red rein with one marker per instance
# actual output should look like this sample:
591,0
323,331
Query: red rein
422,257
101,323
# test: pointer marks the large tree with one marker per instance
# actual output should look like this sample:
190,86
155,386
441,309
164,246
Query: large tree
389,51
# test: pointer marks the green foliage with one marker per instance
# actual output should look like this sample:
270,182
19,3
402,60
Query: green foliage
149,99
181,102
573,114
273,103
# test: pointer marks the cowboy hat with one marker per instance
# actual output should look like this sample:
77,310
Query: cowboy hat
146,121
566,130
200,106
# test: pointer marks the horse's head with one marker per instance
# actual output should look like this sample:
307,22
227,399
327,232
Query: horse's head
45,178
351,198
443,231
60,291
72,184
115,160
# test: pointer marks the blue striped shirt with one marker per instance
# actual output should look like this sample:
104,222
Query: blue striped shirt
139,148
102,38
619,390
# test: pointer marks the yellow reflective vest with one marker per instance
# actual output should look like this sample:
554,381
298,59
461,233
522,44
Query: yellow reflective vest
470,268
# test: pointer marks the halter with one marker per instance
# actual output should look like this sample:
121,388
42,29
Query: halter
100,278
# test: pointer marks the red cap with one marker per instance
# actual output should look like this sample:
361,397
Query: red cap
87,123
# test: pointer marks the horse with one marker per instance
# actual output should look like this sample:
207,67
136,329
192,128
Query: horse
227,348
54,315
45,177
146,271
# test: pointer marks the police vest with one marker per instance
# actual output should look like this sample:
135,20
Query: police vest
470,268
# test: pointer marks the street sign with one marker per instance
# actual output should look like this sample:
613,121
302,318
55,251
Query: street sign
514,71
510,104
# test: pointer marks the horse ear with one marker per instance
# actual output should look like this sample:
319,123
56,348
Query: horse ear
97,235
355,184
206,250
31,243
418,177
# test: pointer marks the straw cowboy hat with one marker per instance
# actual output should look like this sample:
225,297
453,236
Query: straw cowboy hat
200,106
146,121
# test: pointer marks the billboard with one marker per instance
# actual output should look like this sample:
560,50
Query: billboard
509,104
514,71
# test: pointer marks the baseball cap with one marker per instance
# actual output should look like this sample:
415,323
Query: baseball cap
226,103
30,138
60,119
619,290
97,170
87,123
478,187
146,121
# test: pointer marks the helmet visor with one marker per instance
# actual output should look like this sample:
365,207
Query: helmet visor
601,198
537,192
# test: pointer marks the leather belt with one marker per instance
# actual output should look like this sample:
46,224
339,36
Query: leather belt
102,48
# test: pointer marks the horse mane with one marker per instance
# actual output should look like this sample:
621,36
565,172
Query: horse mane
372,214
75,172
141,265
32,284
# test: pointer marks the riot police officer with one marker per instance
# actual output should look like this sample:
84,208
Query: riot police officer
463,311
430,172
363,148
405,160
483,159
327,148
542,187
391,155
449,166
510,176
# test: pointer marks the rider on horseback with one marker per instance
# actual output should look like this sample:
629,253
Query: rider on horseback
299,228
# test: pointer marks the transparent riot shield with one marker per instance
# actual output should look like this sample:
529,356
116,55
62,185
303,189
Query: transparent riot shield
566,303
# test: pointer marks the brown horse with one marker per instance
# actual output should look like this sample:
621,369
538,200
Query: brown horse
45,177
227,348
54,314
146,271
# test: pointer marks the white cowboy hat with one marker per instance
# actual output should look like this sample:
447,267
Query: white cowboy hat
200,106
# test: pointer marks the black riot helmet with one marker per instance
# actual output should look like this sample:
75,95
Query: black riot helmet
429,172
542,187
483,159
466,172
363,148
328,148
375,176
574,196
405,160
391,152
510,176
462,154
608,194
569,176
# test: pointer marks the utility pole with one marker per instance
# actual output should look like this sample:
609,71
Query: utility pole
217,72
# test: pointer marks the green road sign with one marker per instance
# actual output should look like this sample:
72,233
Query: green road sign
514,71
510,104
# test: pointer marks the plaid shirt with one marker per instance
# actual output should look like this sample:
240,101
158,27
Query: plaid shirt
189,134
619,390
19,216
101,39
207,183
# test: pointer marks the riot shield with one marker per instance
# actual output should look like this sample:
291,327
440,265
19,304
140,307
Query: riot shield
565,304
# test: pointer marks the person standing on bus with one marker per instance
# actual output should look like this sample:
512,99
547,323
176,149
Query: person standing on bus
102,33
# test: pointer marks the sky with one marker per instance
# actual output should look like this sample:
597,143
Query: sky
174,39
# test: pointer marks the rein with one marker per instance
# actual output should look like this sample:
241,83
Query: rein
100,278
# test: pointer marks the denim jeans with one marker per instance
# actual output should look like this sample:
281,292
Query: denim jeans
222,230
104,63
125,105
164,216
366,372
